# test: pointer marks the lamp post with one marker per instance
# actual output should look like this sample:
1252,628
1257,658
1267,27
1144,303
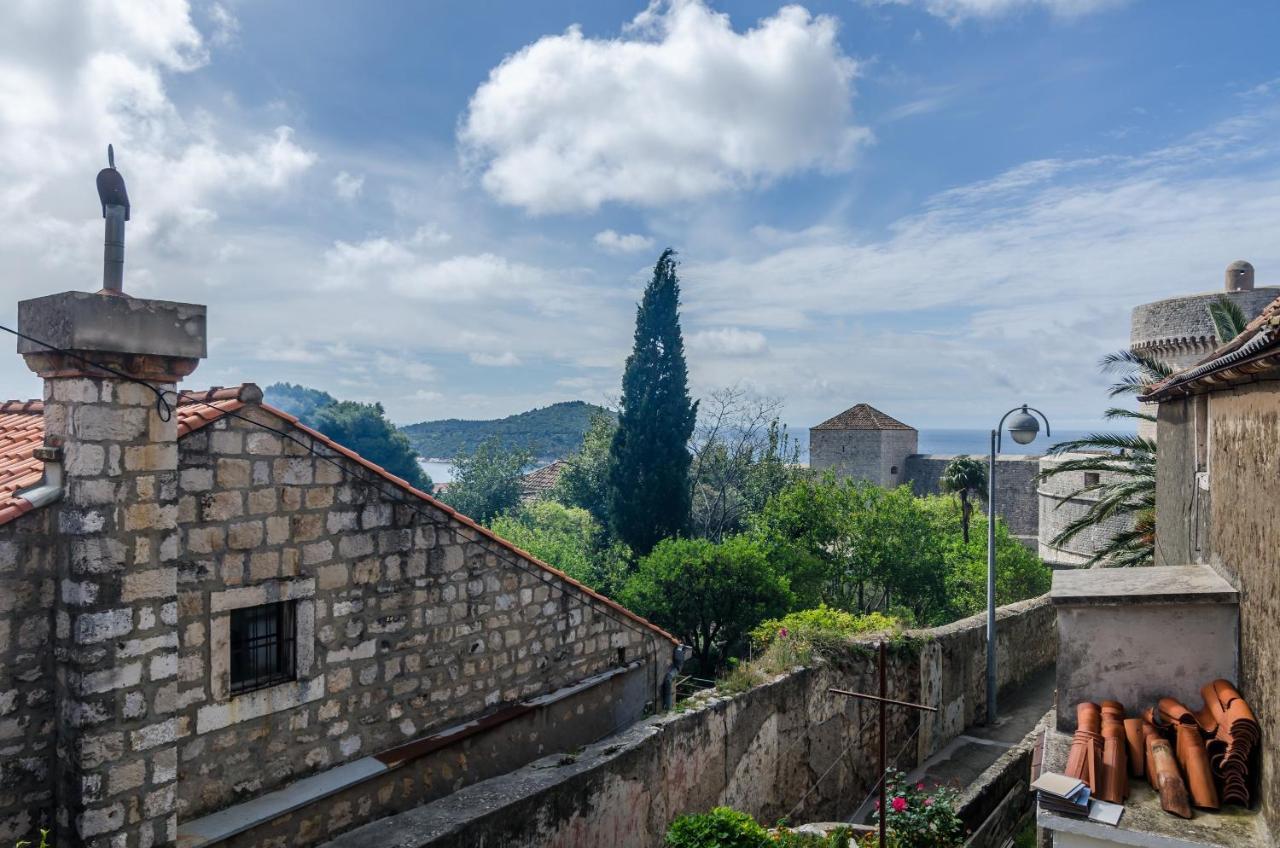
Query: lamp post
1023,429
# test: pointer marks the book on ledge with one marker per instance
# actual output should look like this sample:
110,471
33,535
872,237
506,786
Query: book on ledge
1063,795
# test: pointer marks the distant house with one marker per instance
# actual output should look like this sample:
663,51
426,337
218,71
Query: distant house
540,481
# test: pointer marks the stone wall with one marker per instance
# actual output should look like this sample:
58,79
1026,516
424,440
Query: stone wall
409,619
27,734
1059,506
787,748
877,456
1243,545
1016,500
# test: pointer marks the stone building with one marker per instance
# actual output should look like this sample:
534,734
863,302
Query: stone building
219,627
1178,331
863,443
1217,491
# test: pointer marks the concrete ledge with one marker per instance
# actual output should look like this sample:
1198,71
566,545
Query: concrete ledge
1162,584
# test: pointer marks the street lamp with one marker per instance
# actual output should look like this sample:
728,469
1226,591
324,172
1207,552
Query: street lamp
1022,429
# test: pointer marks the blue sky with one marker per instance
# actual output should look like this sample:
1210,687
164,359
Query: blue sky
941,207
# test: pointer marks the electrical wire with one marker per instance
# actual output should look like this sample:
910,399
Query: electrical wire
834,762
876,785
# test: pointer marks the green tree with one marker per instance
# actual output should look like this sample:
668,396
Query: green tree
584,479
965,476
486,481
568,538
649,457
364,428
742,456
1019,572
866,547
1125,464
708,594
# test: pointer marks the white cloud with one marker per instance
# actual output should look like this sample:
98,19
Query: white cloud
728,341
956,11
468,278
506,359
679,107
615,242
75,76
225,25
348,186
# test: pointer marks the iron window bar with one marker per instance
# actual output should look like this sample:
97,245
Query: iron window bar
263,646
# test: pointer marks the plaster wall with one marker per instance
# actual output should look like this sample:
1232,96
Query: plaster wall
1244,546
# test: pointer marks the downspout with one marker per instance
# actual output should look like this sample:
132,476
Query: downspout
50,488
679,655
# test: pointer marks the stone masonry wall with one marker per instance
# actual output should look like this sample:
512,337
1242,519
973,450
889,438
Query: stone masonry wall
1059,506
27,733
1016,500
418,620
787,748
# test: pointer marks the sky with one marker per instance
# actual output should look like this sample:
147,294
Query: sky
941,207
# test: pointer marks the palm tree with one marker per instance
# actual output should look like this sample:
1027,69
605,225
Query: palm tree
1125,466
1228,319
964,475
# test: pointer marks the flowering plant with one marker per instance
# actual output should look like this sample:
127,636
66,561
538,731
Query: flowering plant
920,818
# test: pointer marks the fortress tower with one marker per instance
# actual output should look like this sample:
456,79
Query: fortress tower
864,444
1178,331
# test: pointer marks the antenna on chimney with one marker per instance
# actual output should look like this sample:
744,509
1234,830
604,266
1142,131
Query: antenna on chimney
115,208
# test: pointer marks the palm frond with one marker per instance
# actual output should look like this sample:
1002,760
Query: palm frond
1120,412
1129,442
1128,360
1228,319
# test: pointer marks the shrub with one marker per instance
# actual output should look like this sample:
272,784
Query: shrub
723,827
838,838
44,841
823,623
921,818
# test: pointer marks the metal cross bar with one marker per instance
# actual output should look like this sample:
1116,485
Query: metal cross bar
884,701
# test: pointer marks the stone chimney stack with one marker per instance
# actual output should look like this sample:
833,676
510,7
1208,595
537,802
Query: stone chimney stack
116,642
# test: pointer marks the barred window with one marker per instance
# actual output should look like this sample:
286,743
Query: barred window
263,643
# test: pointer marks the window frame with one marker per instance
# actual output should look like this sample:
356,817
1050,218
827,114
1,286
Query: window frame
262,659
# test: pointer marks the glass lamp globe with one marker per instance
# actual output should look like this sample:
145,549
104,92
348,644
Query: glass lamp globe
1024,427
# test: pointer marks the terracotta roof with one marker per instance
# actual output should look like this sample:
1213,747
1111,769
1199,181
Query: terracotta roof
541,480
863,416
22,431
1254,350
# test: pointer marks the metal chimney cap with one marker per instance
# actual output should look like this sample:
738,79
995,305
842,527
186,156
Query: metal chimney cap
111,189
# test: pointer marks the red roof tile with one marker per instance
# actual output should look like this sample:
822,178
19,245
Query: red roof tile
863,416
22,431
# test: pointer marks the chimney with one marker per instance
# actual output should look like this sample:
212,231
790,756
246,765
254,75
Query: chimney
1239,276
116,634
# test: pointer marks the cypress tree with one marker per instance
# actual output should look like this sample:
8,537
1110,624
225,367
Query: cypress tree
649,457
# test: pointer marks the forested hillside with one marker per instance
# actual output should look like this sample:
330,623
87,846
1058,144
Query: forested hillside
548,433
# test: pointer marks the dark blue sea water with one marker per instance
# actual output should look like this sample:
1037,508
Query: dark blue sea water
978,442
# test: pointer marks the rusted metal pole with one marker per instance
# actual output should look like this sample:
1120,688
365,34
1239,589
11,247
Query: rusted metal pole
884,744
867,697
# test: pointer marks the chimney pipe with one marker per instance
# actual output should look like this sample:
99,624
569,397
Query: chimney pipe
115,209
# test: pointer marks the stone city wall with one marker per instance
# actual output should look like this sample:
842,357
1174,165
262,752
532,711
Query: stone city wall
1059,506
408,619
1016,500
787,748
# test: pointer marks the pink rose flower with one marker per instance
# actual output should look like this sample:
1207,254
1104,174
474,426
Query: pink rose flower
899,804
920,786
928,802
782,632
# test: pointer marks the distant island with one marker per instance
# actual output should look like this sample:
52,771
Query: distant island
550,432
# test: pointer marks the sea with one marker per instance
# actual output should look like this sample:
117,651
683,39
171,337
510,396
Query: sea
946,442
